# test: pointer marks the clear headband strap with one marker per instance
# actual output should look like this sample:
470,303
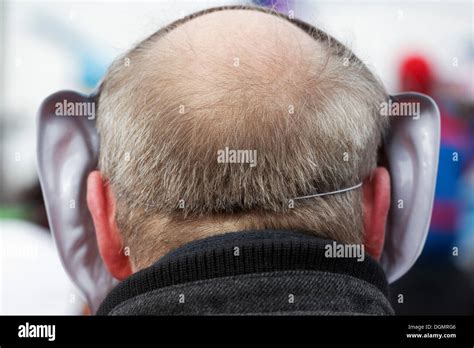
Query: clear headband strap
330,193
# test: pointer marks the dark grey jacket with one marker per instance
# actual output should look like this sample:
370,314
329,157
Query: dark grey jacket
253,273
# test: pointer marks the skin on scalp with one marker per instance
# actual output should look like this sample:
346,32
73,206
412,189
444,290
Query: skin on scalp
225,59
230,78
262,48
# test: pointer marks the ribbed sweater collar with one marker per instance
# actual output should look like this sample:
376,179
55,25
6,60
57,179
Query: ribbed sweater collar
239,253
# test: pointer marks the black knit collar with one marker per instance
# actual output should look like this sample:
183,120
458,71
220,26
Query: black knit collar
239,253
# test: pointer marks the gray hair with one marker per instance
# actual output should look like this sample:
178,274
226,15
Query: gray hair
315,127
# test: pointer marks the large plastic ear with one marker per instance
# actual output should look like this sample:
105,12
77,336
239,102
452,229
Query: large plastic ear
412,151
67,151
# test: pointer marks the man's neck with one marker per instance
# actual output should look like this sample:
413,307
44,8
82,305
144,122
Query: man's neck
254,272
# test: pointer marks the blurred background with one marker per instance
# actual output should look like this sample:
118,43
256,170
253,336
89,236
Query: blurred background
425,46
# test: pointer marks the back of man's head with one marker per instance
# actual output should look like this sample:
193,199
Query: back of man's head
237,79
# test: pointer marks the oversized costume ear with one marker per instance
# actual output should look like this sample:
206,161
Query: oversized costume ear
412,151
67,151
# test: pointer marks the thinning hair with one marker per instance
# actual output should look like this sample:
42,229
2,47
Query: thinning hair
310,113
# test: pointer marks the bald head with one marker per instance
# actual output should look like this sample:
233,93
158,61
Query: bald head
237,57
236,79
265,44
